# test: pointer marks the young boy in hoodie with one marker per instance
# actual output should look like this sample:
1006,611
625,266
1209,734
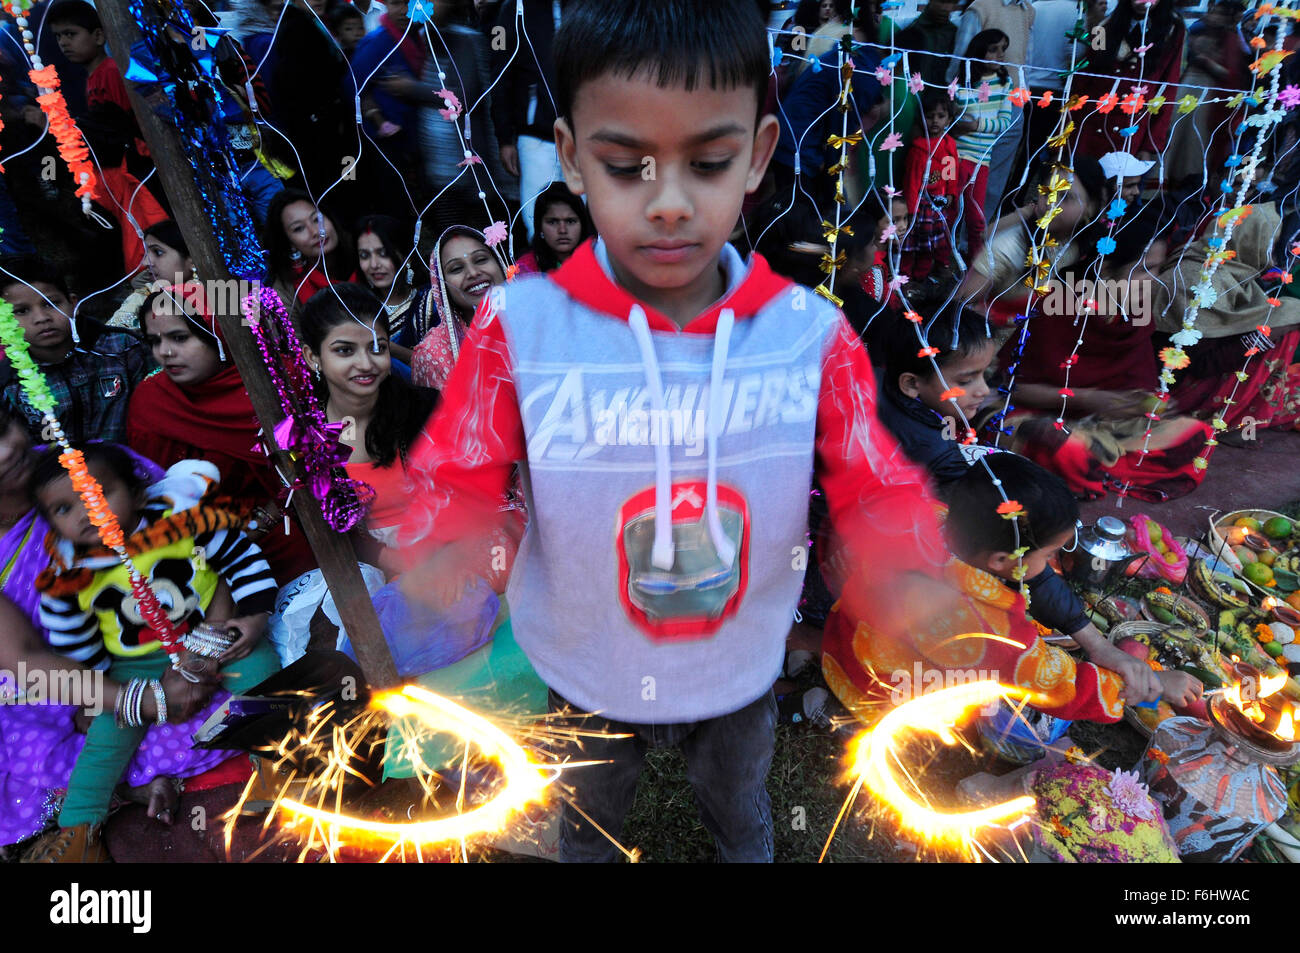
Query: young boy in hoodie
669,403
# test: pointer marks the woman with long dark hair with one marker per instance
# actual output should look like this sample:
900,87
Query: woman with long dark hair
346,342
396,275
306,250
562,225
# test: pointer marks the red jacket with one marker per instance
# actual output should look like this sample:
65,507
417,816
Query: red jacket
933,166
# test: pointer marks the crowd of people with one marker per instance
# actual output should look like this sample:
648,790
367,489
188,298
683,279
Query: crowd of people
590,180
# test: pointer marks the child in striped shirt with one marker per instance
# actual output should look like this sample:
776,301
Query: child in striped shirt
194,556
985,113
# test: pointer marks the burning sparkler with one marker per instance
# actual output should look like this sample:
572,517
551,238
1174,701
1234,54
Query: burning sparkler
876,761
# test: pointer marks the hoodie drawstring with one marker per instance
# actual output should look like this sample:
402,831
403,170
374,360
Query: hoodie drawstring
663,554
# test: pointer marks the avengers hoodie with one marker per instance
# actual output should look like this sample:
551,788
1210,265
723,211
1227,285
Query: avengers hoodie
666,475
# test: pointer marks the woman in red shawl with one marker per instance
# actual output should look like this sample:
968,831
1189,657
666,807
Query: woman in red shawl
1139,49
197,408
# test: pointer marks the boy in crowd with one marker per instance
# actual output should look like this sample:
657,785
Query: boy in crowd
91,380
76,26
669,402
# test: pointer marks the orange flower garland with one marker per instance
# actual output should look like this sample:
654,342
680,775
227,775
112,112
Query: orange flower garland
92,495
71,144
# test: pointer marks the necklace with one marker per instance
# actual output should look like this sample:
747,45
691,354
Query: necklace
392,309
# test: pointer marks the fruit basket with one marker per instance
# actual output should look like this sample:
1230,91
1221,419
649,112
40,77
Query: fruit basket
1263,539
1123,636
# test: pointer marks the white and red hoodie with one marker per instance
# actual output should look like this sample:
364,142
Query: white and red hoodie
667,476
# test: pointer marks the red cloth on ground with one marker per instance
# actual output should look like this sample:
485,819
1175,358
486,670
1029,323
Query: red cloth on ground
234,770
1270,395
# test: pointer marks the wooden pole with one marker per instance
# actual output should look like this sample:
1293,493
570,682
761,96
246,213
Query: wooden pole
334,551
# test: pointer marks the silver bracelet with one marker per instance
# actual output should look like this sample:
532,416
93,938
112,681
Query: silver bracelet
159,700
135,703
119,706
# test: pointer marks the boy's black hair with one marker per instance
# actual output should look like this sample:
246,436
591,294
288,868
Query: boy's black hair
902,346
342,14
77,12
401,409
975,526
108,456
721,43
1135,233
30,270
787,235
931,97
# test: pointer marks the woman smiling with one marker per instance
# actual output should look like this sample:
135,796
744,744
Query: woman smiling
345,337
464,270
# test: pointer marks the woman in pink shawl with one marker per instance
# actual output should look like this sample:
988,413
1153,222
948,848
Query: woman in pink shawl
464,268
39,743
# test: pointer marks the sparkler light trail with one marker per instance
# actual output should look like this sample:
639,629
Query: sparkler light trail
525,781
876,761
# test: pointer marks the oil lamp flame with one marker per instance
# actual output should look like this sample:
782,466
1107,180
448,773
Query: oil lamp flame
1285,726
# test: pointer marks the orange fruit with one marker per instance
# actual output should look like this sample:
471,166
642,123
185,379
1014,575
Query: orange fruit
1293,600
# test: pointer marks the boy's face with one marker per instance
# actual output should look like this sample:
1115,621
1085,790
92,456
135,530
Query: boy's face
898,208
42,311
351,32
66,513
1002,565
78,44
936,121
967,372
1131,188
665,172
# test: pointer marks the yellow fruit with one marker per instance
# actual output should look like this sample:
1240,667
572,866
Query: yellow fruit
1154,531
1171,558
1249,522
1257,573
1267,557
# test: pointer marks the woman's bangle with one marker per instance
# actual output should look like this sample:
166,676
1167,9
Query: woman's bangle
160,701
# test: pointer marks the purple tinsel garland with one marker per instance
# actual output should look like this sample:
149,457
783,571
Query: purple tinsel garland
304,432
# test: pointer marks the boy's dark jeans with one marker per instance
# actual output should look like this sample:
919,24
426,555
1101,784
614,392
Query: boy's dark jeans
727,760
